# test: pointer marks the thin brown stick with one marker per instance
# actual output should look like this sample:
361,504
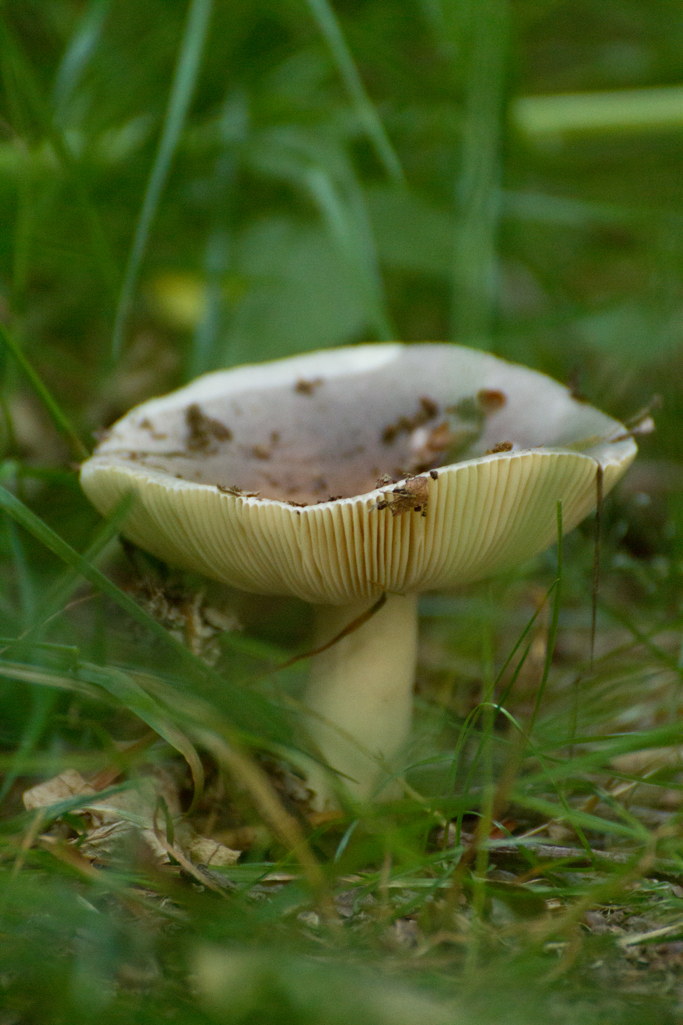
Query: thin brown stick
350,628
174,851
105,777
27,842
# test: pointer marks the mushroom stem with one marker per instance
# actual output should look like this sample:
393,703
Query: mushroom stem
360,691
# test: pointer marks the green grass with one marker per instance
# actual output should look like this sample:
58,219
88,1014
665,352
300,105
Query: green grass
190,185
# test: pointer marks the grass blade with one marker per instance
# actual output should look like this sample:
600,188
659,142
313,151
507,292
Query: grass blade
182,89
349,226
554,621
62,590
328,179
251,712
24,584
42,703
233,126
625,110
122,686
257,783
471,720
329,26
18,72
478,185
59,419
82,46
599,473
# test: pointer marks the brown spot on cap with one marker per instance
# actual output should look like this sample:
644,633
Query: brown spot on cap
429,407
491,400
232,489
147,425
406,424
412,495
304,387
202,430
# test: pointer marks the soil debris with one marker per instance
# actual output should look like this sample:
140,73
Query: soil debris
428,410
386,478
147,425
491,400
304,387
232,489
186,615
203,431
440,440
413,495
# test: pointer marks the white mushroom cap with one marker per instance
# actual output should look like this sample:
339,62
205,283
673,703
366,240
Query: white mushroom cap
329,423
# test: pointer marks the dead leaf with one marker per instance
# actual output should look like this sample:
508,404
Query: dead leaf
68,784
211,853
117,822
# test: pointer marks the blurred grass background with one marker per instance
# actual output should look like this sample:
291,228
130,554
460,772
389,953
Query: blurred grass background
185,186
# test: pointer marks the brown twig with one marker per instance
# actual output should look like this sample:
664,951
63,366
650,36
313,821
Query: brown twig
350,628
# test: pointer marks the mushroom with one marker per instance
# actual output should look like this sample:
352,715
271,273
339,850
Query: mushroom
346,475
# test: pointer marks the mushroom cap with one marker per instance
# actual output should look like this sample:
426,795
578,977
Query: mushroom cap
299,431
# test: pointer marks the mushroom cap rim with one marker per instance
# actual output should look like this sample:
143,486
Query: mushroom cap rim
180,483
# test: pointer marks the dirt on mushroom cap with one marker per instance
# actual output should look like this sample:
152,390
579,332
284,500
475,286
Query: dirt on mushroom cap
478,516
329,428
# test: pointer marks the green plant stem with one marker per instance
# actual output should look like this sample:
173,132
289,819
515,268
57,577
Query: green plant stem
16,64
554,621
182,89
478,188
81,48
249,711
58,417
329,26
620,110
